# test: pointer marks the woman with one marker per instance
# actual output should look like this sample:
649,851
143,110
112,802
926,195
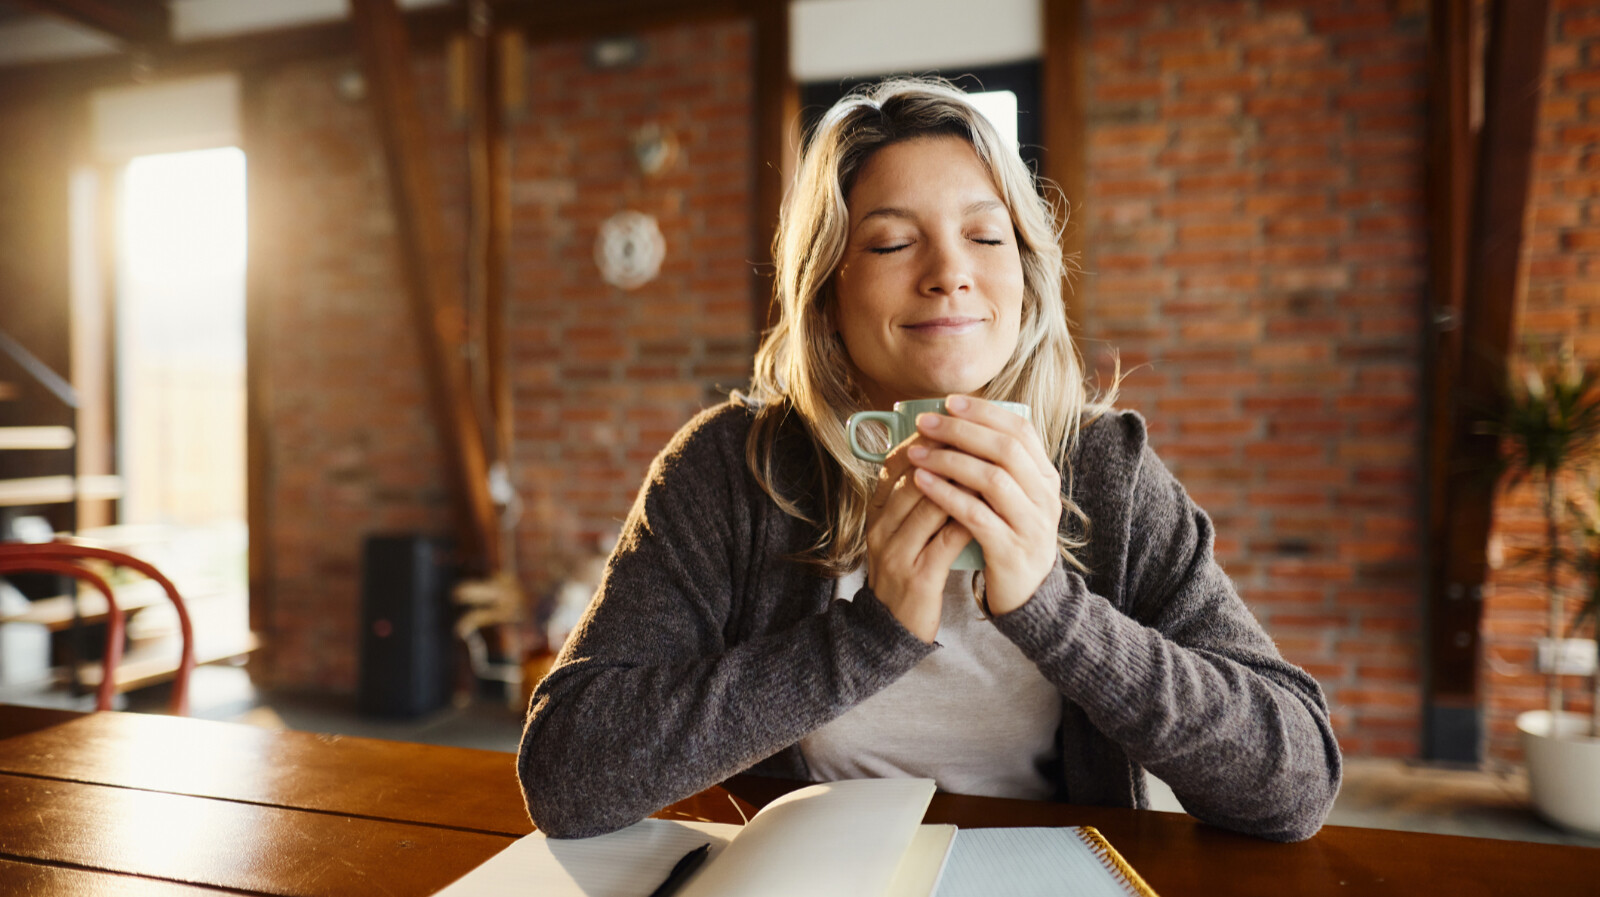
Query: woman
776,605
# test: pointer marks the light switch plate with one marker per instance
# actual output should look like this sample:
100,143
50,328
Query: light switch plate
1567,656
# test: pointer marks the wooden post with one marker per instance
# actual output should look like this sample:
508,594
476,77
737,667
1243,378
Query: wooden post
263,211
777,113
1063,82
1470,368
436,299
489,236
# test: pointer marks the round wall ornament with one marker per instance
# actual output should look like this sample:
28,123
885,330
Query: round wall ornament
629,249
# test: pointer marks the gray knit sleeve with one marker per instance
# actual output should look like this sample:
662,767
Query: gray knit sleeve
1172,666
659,693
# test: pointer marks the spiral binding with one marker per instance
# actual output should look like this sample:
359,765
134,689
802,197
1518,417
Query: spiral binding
1102,848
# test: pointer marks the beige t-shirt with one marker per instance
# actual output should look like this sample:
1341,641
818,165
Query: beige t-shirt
975,716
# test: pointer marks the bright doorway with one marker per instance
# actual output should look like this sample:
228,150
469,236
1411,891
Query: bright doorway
180,387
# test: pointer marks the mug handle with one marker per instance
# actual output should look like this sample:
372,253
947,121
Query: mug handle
888,418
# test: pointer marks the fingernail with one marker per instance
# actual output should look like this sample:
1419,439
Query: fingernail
928,420
917,452
925,478
956,403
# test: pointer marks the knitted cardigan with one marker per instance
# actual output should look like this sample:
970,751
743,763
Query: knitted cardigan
710,651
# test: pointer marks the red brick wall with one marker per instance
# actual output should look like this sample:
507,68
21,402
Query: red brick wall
350,439
1561,300
601,377
1257,255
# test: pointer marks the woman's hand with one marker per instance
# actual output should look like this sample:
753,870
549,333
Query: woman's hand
911,543
986,469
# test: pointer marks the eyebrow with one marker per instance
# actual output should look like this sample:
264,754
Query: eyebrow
974,208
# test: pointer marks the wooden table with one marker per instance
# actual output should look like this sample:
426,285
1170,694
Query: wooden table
132,804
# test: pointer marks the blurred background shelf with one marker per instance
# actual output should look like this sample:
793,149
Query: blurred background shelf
51,490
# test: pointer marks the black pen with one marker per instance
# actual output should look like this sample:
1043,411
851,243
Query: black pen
685,867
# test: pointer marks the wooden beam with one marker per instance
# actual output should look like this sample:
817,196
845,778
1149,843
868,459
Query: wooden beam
261,50
777,114
1513,70
266,220
428,28
489,230
595,18
436,300
1063,88
136,22
1450,727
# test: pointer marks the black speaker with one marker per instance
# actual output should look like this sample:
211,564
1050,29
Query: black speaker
405,625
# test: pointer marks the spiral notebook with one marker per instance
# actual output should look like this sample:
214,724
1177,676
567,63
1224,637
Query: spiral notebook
1037,862
858,838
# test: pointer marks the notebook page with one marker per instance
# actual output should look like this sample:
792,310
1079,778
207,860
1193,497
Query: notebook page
1026,862
626,863
839,839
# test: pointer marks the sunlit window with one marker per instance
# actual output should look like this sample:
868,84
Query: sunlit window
1000,108
181,361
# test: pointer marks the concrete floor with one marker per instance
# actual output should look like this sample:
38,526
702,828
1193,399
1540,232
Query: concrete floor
1385,794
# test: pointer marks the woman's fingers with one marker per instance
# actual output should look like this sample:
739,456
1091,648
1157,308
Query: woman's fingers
998,489
993,477
909,549
992,419
1017,452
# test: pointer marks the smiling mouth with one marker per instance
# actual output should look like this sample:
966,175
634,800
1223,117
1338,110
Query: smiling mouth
948,325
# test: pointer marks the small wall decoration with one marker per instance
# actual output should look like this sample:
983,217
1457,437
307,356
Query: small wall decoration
655,149
629,249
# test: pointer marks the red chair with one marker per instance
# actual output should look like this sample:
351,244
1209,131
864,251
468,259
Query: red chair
65,558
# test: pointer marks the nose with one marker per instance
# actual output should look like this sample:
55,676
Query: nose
948,269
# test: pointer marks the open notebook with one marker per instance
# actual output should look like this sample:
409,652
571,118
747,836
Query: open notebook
858,838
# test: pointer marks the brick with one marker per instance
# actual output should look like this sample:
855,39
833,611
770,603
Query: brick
1365,22
1382,97
1212,106
1240,330
1186,61
1217,231
1197,157
1124,136
1268,29
1130,90
1580,81
1291,154
1307,226
1284,53
1265,105
1208,84
1219,281
1284,202
1202,207
1580,25
1219,181
1172,38
1129,187
1310,176
1197,258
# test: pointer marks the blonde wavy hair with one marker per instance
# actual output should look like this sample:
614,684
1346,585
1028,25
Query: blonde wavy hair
801,367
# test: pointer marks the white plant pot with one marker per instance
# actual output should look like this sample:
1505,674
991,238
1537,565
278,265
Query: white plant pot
1563,771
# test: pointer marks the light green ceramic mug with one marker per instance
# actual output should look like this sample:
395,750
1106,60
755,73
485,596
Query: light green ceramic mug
902,424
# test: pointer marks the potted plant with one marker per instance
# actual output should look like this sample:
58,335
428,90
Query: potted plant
1549,428
1563,749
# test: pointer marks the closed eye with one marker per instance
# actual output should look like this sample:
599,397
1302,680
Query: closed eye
885,250
988,242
